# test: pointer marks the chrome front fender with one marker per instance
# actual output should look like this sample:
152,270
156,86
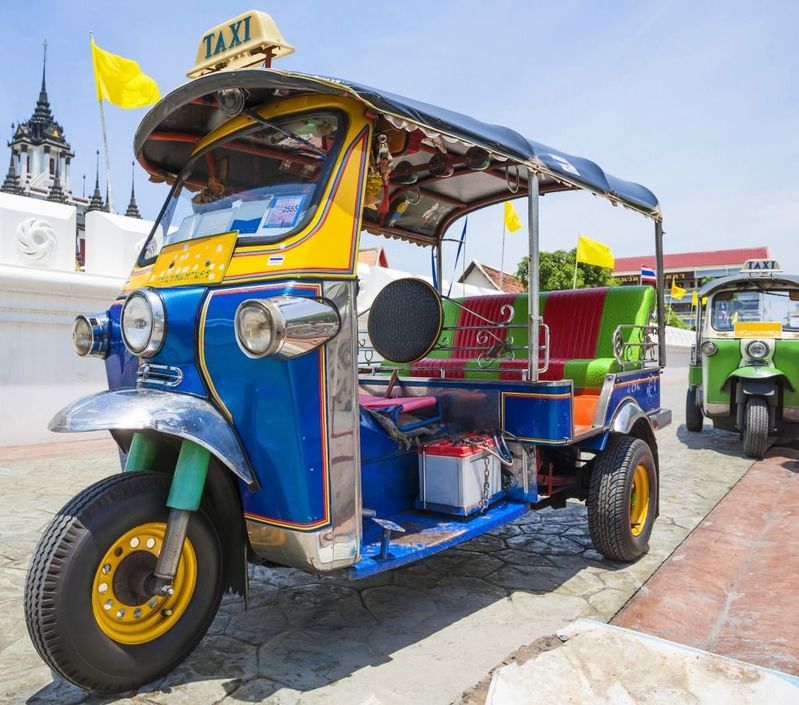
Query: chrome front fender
172,414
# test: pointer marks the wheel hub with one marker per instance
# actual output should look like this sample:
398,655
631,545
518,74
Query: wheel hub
639,500
122,607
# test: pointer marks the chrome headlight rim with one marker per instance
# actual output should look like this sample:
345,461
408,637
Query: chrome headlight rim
276,323
757,349
155,341
708,348
99,334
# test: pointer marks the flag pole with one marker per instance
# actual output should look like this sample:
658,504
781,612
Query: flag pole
574,283
105,131
502,257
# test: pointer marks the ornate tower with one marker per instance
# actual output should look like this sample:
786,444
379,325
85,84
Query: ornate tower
11,183
96,201
42,151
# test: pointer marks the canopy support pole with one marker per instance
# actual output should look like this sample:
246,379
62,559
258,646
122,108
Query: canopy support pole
532,276
661,286
439,268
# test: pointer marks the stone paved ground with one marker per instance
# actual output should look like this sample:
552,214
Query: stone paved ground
422,634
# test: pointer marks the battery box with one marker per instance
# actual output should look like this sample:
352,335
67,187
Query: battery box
452,473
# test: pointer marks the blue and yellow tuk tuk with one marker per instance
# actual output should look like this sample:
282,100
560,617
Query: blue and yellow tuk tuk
263,419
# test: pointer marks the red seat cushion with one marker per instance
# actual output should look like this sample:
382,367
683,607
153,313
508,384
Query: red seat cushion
369,401
465,341
574,319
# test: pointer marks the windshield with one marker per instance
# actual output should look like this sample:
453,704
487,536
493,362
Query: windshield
264,183
773,305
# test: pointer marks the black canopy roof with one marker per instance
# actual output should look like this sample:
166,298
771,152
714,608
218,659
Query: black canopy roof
421,212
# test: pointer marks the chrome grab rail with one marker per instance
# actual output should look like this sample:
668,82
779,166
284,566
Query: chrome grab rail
630,353
545,346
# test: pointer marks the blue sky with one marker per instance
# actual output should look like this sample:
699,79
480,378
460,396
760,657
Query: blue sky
697,100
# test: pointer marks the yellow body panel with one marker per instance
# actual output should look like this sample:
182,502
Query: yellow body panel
327,247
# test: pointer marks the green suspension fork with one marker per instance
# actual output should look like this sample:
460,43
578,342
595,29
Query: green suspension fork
185,495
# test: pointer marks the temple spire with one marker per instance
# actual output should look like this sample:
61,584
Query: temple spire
96,201
42,113
11,184
133,209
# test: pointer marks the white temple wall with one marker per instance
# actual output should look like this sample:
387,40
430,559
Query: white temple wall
37,234
113,243
39,371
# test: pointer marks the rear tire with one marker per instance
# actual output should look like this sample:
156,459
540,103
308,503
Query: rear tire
114,645
623,498
755,431
693,413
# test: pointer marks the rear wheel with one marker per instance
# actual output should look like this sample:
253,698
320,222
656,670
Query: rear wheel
623,498
88,611
693,413
755,431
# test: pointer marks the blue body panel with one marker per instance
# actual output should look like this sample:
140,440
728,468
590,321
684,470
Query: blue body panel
389,475
542,415
120,365
643,388
278,409
427,534
182,305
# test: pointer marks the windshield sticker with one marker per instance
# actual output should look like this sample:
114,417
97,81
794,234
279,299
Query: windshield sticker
285,211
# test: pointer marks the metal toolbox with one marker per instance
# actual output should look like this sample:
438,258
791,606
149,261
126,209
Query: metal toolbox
452,474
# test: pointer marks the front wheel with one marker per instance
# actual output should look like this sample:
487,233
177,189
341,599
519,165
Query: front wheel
623,498
693,413
88,611
755,432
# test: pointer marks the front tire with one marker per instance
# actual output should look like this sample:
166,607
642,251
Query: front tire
693,413
623,498
755,431
86,608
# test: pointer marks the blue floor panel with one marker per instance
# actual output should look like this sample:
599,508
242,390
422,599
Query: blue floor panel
426,534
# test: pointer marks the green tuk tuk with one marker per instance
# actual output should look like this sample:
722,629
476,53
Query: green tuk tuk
744,372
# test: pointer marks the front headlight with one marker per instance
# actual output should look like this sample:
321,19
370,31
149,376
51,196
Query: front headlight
285,326
255,328
757,349
708,347
90,335
143,323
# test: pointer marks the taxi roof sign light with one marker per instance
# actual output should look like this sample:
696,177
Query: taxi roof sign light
249,39
760,266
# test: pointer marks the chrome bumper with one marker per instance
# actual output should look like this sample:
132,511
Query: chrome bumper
178,415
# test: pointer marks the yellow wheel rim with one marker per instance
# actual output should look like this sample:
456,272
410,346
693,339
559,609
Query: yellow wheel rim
639,500
120,609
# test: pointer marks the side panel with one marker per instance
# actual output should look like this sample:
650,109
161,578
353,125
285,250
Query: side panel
642,387
786,359
538,417
716,368
298,421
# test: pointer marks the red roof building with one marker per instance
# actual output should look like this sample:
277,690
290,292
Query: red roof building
478,274
692,261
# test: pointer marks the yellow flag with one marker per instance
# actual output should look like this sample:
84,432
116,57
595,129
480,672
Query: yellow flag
121,81
592,252
677,292
694,298
512,222
704,301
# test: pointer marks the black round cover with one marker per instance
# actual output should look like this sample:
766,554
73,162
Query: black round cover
405,320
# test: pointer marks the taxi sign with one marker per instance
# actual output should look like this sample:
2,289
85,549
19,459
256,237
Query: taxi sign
758,329
249,39
760,266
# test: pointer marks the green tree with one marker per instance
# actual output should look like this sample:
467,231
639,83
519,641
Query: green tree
556,271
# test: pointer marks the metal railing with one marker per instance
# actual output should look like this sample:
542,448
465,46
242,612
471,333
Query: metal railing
638,349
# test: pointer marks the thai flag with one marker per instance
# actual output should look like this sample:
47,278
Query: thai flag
648,276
